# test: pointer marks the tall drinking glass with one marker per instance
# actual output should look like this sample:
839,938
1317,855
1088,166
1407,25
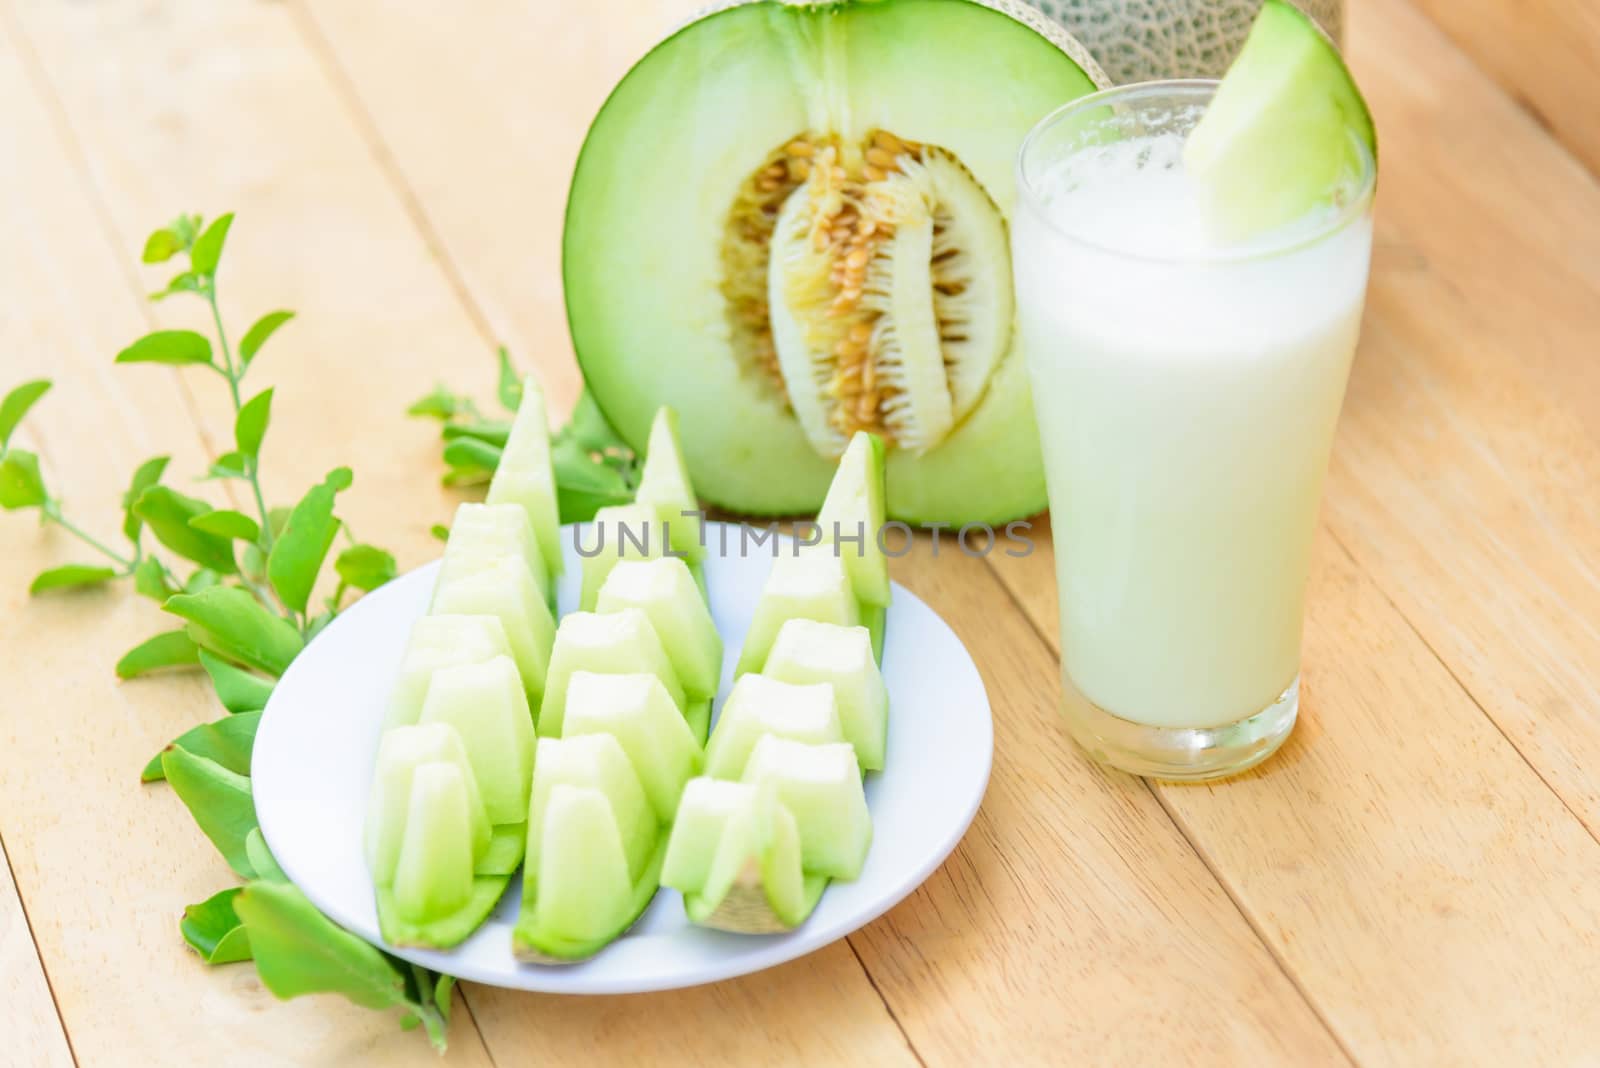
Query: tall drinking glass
1187,396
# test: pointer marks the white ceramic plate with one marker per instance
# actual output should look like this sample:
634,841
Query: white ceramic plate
315,749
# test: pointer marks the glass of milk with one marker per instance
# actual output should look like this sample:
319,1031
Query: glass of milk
1187,394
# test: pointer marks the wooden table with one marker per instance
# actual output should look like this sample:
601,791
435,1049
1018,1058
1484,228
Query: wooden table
1414,879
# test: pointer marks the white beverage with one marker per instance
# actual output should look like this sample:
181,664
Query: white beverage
1187,396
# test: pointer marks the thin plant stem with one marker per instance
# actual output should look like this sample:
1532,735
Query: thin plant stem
234,375
53,513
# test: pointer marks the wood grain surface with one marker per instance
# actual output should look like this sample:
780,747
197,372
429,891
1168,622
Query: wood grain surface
1415,879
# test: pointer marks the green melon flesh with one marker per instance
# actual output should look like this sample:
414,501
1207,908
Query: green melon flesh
852,518
1286,133
821,786
486,706
643,257
666,592
759,706
401,751
483,535
435,900
810,652
436,642
812,585
664,485
525,477
595,761
506,592
616,643
637,711
585,897
620,532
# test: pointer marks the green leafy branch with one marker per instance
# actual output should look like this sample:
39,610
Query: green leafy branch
594,467
244,612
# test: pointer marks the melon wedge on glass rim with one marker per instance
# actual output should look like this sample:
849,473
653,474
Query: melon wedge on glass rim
831,253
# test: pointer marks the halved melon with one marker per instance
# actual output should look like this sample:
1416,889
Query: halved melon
615,643
830,253
436,642
821,785
810,652
812,585
759,706
525,476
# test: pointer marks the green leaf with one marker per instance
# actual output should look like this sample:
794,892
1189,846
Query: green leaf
168,346
218,799
207,251
472,454
590,428
214,930
440,404
169,649
229,742
257,335
183,282
299,951
510,384
186,228
21,485
229,465
251,426
233,624
441,993
493,432
297,555
161,246
366,567
71,576
261,858
457,477
584,485
318,625
239,691
148,474
203,579
16,405
227,523
150,580
169,513
440,531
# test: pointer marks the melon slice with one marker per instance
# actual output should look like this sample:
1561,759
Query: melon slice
617,643
620,532
524,476
585,897
759,706
596,761
821,785
486,706
401,751
638,712
734,853
436,642
665,591
506,592
852,518
664,485
810,652
435,900
482,535
812,585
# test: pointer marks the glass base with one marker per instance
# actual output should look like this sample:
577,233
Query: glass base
1186,754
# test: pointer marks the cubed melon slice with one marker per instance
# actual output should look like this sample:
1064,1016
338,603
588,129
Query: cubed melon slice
436,642
852,518
810,652
734,853
618,643
812,585
637,711
435,900
486,705
401,751
665,591
584,895
620,532
664,485
525,477
598,762
482,535
759,706
506,592
821,785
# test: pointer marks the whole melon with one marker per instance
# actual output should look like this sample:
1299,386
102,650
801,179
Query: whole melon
1142,40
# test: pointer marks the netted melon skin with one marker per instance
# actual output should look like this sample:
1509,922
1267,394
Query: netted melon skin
1142,40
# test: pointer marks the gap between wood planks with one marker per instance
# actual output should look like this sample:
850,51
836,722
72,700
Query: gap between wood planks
44,972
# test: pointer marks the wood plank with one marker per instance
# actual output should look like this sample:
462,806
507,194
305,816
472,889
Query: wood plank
1044,904
1542,51
27,1013
321,230
107,865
